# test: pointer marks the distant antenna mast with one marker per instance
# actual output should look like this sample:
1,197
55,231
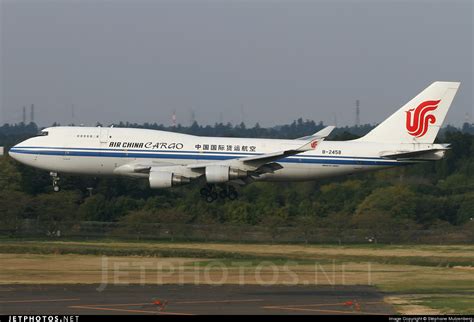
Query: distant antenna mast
173,118
357,113
32,113
24,115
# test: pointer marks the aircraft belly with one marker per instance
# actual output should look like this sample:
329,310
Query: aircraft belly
306,172
77,164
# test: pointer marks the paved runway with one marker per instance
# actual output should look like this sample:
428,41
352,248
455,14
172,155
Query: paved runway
191,299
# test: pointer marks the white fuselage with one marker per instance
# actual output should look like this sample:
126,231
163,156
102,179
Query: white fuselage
101,150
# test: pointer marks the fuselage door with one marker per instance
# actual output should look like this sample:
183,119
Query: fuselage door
104,135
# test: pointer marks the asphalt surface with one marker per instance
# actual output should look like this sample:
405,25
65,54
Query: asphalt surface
190,299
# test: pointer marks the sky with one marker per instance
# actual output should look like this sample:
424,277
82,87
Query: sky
266,61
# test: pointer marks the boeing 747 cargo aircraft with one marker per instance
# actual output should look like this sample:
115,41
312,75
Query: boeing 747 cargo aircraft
168,159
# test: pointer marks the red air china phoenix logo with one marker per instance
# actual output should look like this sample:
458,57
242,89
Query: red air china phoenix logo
314,144
419,118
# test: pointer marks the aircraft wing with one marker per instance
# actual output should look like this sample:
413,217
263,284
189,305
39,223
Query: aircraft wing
139,169
322,134
252,163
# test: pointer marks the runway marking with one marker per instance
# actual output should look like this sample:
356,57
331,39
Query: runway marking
125,304
322,304
178,302
30,301
318,310
222,301
126,310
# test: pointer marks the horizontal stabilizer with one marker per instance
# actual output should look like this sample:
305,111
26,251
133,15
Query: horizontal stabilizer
430,154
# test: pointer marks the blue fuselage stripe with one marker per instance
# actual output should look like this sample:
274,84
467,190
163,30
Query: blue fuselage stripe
35,148
202,156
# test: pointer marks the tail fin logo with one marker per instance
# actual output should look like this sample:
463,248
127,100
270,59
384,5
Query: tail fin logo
419,118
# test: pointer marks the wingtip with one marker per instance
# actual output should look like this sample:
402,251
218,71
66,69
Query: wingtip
449,84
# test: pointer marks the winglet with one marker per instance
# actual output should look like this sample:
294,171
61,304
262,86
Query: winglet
321,134
324,133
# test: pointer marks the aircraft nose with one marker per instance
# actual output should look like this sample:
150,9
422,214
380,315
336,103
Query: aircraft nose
12,152
15,151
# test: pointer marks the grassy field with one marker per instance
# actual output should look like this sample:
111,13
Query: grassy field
416,278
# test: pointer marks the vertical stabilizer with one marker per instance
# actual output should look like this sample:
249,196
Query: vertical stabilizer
420,119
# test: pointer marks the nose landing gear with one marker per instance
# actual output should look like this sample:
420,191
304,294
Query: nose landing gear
55,178
210,192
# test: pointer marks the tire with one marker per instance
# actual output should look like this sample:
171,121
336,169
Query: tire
233,195
223,194
204,192
56,188
209,199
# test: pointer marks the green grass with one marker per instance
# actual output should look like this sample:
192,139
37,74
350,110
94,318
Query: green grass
39,248
450,304
429,286
109,248
454,247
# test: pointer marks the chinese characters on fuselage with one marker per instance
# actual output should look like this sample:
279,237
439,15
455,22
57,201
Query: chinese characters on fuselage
225,147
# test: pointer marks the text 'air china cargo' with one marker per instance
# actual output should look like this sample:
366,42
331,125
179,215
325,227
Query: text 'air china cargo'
170,159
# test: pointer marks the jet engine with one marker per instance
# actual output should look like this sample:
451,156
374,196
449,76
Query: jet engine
161,179
223,173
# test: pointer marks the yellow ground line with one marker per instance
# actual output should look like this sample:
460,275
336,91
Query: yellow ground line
29,301
124,310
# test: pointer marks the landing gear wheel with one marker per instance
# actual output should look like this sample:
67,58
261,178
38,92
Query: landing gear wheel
223,194
209,199
233,195
55,177
205,192
209,193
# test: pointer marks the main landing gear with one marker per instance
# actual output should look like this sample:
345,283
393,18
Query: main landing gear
210,193
55,177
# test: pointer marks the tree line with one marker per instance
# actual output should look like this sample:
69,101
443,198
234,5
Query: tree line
434,195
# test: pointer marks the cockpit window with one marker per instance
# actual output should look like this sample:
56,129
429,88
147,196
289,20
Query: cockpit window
44,133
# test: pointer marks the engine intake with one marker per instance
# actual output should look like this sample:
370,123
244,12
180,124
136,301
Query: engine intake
223,173
160,179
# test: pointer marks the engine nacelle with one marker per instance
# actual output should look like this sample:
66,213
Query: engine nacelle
223,173
161,179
